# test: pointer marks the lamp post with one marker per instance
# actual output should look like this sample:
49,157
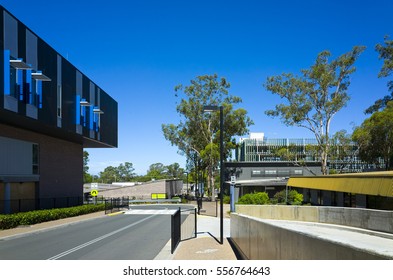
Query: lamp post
187,183
211,108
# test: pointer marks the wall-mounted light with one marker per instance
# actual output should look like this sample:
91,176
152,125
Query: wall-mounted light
85,103
98,111
20,64
40,77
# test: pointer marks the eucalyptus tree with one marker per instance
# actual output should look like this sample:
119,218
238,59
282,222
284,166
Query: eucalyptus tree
386,54
198,133
375,137
312,99
87,178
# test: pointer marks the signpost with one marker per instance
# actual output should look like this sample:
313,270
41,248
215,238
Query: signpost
94,192
232,193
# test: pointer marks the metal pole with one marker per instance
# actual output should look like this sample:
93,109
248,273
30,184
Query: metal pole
187,186
221,175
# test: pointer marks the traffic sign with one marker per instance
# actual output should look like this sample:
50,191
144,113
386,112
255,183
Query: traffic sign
94,193
233,180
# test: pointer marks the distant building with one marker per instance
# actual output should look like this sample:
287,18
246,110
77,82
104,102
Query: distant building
49,112
258,148
260,165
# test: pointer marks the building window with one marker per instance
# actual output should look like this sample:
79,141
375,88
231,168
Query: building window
270,172
35,159
256,173
59,101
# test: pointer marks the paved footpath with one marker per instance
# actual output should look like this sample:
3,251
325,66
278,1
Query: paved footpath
206,245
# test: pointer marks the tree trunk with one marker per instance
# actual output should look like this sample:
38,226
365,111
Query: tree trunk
324,168
211,183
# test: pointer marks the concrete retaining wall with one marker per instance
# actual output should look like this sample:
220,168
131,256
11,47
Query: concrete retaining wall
256,239
138,191
370,219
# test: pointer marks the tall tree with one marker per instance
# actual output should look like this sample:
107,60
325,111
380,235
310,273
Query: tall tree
110,174
375,137
386,54
122,173
175,171
313,98
87,178
198,133
342,151
126,171
157,171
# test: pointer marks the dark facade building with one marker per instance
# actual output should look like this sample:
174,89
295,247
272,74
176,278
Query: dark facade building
269,177
49,112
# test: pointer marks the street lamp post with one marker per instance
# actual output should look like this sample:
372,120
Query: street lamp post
211,108
187,183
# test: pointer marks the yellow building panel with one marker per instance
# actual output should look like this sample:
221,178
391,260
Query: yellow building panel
373,183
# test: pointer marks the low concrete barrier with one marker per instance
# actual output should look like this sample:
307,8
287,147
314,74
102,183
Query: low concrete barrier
377,220
263,232
257,239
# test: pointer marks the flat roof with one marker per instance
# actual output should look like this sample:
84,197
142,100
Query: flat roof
367,183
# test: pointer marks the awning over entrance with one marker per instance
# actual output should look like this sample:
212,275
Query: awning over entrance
279,181
370,183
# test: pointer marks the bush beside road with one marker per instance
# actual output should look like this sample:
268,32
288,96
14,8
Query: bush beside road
8,221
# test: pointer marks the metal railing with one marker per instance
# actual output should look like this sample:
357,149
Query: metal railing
176,230
183,230
116,204
154,201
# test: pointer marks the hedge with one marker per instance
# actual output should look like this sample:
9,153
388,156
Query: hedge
259,198
8,221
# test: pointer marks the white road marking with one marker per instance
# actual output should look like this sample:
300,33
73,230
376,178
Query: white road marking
65,253
150,212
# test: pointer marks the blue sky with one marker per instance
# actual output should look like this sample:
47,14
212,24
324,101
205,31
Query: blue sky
139,50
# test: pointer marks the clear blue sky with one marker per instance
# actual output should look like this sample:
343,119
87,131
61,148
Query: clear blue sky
139,50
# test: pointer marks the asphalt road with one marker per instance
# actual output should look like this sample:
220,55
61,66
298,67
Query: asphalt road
138,235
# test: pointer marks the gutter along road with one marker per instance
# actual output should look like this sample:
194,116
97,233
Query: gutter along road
139,234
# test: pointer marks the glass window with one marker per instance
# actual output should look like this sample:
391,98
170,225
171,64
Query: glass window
59,101
7,73
19,84
35,159
39,93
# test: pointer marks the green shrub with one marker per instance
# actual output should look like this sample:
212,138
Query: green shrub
294,198
259,198
34,217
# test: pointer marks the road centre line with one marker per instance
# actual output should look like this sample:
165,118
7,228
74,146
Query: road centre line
65,253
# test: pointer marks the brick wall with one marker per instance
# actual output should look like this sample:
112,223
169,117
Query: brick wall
60,163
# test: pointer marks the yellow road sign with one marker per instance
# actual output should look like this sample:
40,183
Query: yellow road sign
94,193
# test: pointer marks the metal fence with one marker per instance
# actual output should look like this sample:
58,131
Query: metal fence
183,230
176,230
116,204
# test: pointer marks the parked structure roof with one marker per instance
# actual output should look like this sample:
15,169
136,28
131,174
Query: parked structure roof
368,183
